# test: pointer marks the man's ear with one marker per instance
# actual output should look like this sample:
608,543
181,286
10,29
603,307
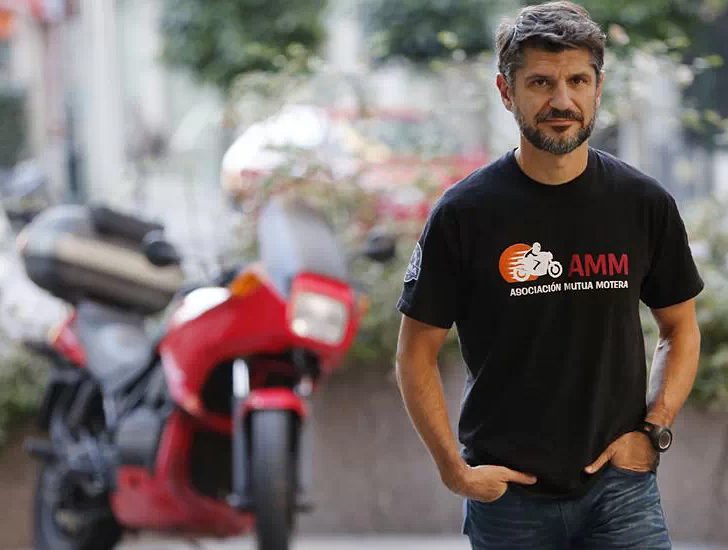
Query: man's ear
600,87
505,91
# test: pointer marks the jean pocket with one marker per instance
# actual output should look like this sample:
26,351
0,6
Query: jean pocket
496,501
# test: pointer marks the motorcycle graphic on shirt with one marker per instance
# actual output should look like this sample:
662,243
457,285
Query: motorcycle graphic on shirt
532,263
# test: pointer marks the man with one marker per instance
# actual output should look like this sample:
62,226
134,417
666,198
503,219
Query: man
560,435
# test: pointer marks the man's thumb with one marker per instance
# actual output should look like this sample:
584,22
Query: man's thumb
520,477
598,463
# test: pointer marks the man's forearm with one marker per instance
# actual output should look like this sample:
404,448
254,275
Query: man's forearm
421,387
674,366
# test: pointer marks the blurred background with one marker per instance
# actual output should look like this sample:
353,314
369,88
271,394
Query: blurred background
192,112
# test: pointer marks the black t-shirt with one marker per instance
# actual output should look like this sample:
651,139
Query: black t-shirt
544,283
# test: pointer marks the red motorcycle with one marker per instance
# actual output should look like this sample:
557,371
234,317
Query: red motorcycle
203,429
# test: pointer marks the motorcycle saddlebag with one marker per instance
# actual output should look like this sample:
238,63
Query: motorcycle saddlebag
65,253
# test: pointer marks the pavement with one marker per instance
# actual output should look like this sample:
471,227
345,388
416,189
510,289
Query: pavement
342,543
314,543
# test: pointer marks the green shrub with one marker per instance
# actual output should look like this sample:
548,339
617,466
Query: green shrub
424,31
22,378
352,212
219,41
708,230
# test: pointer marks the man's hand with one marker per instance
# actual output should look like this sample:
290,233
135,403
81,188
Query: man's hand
484,483
632,451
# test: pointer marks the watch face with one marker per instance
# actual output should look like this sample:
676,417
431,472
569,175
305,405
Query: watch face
664,441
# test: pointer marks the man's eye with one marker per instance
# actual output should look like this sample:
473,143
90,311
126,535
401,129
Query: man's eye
540,82
578,80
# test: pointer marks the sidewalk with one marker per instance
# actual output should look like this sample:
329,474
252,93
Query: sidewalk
345,543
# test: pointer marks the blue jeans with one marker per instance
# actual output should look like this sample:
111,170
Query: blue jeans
621,510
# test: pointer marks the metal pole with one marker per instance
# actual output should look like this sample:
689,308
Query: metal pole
103,111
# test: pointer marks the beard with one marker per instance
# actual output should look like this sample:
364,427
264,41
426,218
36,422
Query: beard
555,145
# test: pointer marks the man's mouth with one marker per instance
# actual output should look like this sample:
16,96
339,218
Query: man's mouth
559,126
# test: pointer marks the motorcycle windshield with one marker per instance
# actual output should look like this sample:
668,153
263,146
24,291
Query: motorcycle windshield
293,239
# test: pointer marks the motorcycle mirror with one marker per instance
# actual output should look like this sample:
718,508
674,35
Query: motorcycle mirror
158,251
381,247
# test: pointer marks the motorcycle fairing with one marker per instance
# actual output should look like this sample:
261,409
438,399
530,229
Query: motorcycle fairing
228,334
282,399
64,341
164,499
294,239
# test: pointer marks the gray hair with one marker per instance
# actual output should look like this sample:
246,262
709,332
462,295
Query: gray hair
554,27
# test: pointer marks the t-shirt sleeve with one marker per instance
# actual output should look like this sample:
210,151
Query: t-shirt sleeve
672,277
430,292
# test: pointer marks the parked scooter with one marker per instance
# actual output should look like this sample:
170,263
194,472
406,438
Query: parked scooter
203,430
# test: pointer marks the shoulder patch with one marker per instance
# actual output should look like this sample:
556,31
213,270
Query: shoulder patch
413,269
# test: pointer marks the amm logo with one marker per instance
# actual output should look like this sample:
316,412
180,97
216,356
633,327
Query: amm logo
520,262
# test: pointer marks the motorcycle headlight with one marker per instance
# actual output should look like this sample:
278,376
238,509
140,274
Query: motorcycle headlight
319,317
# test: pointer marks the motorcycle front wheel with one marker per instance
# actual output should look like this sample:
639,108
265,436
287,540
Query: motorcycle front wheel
273,477
555,269
65,519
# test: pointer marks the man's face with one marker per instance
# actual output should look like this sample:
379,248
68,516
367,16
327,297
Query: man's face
554,98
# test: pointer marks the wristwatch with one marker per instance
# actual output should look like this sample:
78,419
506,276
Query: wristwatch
660,436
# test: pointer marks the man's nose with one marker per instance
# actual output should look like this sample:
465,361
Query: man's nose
560,99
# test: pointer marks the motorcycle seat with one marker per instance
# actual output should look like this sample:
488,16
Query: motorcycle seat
116,344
